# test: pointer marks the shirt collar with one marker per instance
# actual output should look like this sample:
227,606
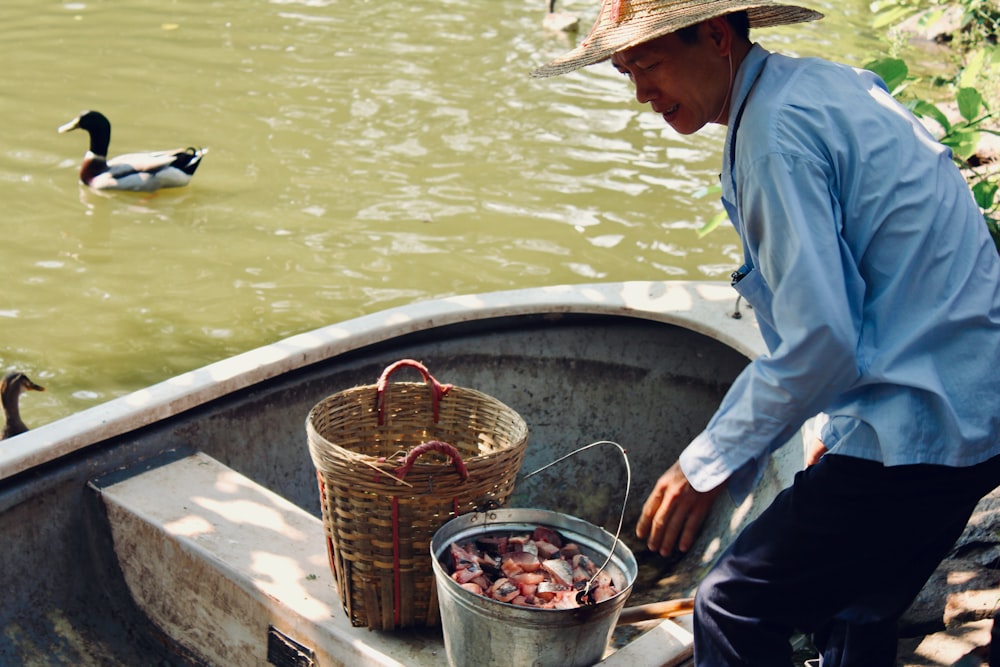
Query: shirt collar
745,77
743,83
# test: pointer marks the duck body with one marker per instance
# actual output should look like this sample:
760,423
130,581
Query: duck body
11,387
560,21
138,172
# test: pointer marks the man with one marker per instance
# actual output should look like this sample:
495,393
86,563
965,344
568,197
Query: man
877,291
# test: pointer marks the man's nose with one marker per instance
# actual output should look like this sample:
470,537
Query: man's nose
643,93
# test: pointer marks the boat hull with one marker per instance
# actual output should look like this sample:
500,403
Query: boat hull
641,364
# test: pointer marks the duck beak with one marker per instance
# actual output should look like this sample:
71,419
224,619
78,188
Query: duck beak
31,386
72,125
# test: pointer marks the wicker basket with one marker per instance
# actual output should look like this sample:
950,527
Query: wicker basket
395,461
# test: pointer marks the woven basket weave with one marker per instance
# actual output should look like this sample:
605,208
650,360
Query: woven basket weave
395,461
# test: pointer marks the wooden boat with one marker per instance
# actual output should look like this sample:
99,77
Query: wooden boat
181,525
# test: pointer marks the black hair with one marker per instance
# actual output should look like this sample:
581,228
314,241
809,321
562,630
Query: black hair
738,21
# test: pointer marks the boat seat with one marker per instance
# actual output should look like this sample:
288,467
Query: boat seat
238,575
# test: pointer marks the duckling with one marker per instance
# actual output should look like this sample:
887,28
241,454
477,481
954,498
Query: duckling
11,387
143,172
560,21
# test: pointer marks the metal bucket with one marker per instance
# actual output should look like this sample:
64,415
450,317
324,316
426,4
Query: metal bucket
484,632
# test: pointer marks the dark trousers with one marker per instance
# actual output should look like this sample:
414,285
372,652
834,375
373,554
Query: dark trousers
840,554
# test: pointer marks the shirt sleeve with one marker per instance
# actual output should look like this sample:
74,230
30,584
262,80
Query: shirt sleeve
791,221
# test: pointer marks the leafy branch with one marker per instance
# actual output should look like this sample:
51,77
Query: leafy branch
976,31
974,44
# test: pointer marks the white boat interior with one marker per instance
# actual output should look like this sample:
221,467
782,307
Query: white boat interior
180,525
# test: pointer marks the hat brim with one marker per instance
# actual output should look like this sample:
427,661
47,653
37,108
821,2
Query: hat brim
609,36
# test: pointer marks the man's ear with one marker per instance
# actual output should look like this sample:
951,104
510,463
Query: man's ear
720,33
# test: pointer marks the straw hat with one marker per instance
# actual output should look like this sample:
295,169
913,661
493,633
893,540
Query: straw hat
625,23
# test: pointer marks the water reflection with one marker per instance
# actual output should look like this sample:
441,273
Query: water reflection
363,155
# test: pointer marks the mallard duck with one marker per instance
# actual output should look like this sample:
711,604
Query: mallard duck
560,21
11,387
144,172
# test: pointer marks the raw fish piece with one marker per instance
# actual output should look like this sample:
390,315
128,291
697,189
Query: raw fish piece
525,560
561,571
546,550
532,571
504,591
546,534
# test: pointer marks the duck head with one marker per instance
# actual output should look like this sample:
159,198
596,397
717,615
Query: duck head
97,126
11,387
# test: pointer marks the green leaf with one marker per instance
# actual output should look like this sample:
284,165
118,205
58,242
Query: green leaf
973,67
892,70
969,103
930,17
879,5
891,16
962,143
708,190
928,110
985,193
714,222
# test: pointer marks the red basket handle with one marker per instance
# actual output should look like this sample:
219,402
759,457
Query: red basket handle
438,389
436,446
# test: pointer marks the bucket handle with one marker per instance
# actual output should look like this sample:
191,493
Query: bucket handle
585,596
435,446
438,390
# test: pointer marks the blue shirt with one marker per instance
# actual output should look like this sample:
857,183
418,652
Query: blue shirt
872,276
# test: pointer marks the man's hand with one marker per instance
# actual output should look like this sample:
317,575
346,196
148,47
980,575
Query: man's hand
816,451
674,512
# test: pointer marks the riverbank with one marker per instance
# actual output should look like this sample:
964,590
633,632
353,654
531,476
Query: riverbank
951,619
940,35
950,622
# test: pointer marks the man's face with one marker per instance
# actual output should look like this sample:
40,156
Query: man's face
685,83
